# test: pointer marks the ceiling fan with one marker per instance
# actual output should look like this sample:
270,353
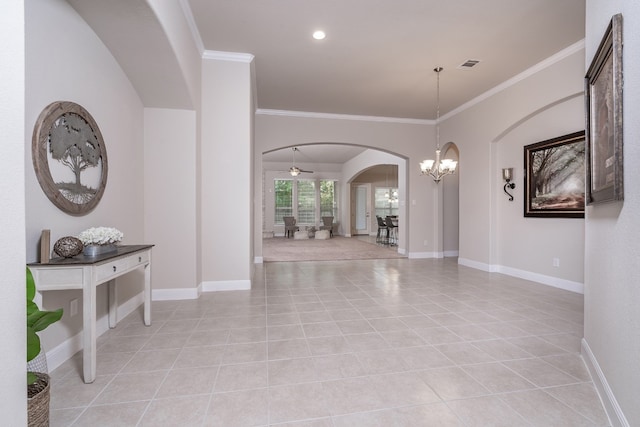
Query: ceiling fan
294,170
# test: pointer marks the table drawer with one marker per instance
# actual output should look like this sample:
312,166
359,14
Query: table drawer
141,258
105,271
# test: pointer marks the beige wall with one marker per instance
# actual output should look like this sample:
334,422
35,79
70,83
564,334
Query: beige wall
612,318
13,405
531,244
489,135
68,62
170,199
451,210
476,131
540,104
226,164
412,140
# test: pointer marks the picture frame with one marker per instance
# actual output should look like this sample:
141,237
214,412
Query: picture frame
554,182
69,157
603,97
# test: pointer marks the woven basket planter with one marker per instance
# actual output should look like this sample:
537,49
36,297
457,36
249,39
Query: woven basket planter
38,401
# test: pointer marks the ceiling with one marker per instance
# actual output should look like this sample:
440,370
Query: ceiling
379,55
377,59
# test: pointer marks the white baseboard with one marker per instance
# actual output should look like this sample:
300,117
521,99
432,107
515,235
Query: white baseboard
194,293
423,255
451,254
556,282
226,285
64,351
477,265
175,294
611,406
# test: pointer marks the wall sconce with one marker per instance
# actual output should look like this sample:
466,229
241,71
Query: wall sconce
507,175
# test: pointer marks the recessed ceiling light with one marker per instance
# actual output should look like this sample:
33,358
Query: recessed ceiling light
319,35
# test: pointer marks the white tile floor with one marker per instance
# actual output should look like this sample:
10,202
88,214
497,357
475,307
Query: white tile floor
361,343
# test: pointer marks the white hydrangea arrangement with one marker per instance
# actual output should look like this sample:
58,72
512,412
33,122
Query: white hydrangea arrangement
100,236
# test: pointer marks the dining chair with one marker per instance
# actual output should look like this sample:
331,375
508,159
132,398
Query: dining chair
290,226
327,224
383,231
392,231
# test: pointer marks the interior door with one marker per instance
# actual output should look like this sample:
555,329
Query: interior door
362,222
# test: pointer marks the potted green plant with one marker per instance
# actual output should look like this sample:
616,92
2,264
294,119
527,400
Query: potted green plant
37,382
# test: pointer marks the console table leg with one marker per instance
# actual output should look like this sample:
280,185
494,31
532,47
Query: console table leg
89,330
113,303
147,293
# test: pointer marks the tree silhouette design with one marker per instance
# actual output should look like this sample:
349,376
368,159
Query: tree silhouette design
74,144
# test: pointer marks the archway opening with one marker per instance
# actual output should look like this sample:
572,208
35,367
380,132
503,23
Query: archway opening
305,197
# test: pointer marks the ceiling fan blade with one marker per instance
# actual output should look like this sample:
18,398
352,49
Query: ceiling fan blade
294,170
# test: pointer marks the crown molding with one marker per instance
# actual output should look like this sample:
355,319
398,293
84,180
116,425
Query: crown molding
188,14
576,47
310,115
553,59
228,56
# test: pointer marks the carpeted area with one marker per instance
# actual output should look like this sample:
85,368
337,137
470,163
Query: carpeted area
334,249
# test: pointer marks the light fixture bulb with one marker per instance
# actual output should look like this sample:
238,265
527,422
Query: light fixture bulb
319,35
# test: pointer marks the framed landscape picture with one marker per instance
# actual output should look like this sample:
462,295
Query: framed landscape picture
603,95
554,183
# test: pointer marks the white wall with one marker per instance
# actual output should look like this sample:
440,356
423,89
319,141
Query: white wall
13,405
170,200
67,61
612,318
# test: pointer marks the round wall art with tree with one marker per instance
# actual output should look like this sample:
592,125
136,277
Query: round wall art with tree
69,157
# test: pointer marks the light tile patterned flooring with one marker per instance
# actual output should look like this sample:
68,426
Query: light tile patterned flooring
394,342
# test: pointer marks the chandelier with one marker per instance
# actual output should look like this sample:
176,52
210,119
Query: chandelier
437,168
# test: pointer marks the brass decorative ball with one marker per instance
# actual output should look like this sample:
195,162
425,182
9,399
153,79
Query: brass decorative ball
68,246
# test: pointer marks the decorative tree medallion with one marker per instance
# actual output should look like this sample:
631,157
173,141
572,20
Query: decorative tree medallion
69,157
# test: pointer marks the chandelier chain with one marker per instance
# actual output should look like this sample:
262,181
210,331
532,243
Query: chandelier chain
438,168
437,70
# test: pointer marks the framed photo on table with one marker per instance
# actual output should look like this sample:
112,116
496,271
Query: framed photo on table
603,95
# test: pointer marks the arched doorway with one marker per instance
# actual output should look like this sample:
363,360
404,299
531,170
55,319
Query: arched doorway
450,203
276,165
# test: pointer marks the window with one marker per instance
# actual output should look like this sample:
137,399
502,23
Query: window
328,201
306,199
284,199
386,201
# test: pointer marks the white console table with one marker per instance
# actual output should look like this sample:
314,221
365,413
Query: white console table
86,273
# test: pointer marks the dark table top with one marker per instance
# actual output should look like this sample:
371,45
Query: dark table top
88,260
